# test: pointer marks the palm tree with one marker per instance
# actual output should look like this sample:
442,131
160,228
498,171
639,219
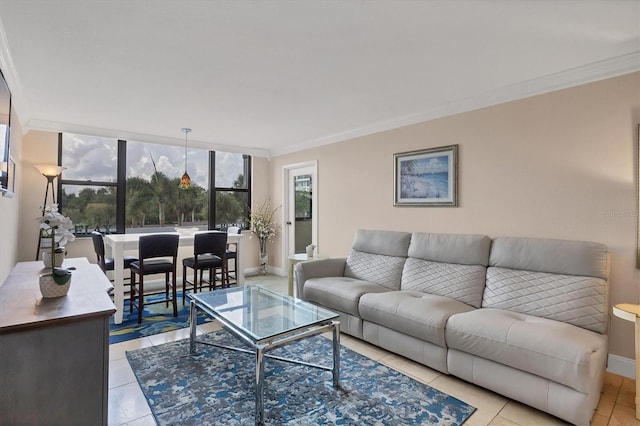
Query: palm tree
137,206
161,186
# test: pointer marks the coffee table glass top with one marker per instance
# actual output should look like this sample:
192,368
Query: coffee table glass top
261,313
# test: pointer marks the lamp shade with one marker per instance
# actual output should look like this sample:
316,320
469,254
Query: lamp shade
49,170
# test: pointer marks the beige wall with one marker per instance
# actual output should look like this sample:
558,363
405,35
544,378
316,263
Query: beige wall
559,165
10,207
260,186
37,148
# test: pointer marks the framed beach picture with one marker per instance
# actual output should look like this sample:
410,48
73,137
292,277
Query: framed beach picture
427,177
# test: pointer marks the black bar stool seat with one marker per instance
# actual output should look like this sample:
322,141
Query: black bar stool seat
158,255
209,254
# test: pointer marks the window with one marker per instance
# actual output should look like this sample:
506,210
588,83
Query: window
153,197
231,183
89,185
118,186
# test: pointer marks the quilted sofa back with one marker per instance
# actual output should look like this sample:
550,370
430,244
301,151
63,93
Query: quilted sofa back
555,279
452,265
378,257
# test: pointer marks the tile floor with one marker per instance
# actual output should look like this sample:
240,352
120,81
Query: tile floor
128,406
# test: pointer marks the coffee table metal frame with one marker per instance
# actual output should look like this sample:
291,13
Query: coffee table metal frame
261,346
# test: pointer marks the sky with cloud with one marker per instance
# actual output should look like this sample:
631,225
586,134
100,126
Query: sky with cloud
431,164
95,158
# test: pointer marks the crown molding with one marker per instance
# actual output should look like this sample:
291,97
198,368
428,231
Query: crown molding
620,65
51,126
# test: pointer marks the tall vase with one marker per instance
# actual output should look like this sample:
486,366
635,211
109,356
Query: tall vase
264,257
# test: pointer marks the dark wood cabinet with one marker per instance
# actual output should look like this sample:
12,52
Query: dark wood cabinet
54,353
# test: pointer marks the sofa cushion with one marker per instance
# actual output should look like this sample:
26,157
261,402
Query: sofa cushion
549,255
410,312
339,293
462,249
577,300
388,243
554,350
378,256
461,282
380,269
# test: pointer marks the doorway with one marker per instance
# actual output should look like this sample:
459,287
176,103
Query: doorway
301,207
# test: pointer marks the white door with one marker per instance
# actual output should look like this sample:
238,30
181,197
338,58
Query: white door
301,195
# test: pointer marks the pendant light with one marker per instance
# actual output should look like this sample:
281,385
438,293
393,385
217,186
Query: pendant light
185,180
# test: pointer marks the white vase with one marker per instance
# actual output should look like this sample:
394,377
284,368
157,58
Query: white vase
46,258
264,258
50,289
310,251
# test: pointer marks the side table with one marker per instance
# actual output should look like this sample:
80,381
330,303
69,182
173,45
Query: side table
297,258
631,312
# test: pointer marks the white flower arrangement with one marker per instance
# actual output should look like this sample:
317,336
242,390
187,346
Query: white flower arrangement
263,225
262,221
56,226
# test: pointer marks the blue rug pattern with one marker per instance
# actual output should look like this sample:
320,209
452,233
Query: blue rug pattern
216,387
156,319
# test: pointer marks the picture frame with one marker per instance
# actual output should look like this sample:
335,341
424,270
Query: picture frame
427,177
11,178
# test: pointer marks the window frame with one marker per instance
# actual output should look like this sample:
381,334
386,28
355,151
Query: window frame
121,182
213,190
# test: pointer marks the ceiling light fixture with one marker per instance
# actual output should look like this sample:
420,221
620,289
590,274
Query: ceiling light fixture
185,180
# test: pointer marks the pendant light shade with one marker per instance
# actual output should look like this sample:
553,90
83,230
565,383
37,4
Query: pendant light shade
185,180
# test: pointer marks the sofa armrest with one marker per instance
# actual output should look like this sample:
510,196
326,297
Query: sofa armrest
317,269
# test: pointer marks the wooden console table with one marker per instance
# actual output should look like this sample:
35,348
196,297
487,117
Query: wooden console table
54,353
631,313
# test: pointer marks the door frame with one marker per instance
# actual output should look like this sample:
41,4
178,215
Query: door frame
287,172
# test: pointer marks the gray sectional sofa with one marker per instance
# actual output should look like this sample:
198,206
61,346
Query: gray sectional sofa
524,317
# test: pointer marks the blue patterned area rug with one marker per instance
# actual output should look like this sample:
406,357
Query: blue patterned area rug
156,319
217,387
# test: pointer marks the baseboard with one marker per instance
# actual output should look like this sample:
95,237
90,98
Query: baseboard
277,271
270,270
248,272
621,366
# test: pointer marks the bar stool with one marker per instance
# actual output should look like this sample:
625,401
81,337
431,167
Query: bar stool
209,253
158,255
233,254
107,263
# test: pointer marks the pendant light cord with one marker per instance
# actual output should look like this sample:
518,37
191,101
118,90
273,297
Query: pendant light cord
186,131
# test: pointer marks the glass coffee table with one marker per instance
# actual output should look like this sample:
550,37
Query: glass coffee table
265,319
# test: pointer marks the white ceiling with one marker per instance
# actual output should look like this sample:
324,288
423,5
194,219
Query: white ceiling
275,76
